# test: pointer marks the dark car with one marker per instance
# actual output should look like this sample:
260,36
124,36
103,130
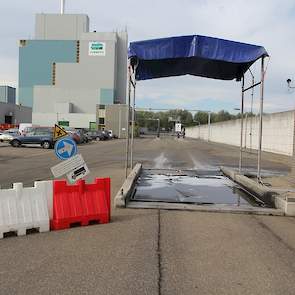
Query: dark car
96,135
106,134
38,135
83,135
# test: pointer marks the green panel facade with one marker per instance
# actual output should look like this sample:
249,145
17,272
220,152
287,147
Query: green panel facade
35,64
106,96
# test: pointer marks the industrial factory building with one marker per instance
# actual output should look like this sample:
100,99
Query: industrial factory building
10,112
67,72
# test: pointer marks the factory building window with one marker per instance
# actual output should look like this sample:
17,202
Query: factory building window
102,107
101,121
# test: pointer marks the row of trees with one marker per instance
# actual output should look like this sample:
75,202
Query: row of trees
148,119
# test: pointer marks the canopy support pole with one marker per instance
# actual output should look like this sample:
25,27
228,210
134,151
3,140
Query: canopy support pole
260,121
251,122
128,121
242,126
133,125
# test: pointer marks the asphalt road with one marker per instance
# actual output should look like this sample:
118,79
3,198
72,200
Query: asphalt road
149,251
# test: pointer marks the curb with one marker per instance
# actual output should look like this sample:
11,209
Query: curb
282,201
209,209
126,189
267,195
286,202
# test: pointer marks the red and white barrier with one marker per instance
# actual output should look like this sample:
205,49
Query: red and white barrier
22,209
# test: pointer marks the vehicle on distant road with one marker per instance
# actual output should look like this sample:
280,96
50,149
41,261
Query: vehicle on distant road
40,135
8,135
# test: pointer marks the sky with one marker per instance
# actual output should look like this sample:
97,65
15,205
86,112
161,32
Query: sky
270,23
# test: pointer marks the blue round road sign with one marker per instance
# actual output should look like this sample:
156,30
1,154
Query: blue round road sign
65,148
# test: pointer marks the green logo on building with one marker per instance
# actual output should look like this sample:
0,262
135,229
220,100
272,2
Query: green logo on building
97,48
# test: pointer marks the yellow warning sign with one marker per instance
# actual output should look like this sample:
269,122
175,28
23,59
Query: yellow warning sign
59,132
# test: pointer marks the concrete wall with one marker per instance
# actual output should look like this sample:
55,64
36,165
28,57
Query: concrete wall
75,120
278,132
20,114
116,119
60,27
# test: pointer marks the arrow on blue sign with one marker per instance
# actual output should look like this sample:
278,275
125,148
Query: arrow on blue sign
65,148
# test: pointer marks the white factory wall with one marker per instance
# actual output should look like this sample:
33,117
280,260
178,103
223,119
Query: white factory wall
75,120
278,132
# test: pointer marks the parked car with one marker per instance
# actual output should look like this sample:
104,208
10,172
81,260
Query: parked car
74,134
8,135
42,136
96,135
83,136
106,134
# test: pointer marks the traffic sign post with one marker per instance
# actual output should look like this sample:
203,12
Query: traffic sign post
65,148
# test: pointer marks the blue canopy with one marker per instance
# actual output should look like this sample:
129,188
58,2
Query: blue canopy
193,55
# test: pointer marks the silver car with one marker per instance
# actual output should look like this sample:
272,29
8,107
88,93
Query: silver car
8,135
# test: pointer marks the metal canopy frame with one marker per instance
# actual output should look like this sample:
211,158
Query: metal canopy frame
130,137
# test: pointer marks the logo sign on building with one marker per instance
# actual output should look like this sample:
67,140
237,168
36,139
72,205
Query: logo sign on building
65,148
97,48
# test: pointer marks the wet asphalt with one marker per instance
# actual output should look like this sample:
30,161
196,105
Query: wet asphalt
149,251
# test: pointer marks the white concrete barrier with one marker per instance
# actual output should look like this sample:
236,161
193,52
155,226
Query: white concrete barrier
278,130
25,208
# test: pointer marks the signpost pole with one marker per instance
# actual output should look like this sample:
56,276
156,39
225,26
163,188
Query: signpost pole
242,126
133,126
260,121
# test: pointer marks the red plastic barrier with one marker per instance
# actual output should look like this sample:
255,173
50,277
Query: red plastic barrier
6,126
80,204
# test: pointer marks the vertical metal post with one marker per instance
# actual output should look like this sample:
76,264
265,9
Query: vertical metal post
120,119
260,121
133,125
209,125
62,6
251,121
242,126
246,126
158,134
127,127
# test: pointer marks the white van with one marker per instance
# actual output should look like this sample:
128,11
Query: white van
23,126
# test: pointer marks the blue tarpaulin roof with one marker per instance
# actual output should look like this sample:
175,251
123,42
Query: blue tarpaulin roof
193,55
